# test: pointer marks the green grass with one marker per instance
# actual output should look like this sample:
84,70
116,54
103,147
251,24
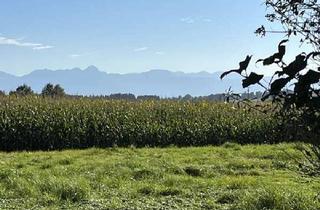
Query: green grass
226,177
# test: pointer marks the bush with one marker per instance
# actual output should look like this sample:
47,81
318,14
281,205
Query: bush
22,90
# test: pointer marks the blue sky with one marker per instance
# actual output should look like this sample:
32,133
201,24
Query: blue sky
122,36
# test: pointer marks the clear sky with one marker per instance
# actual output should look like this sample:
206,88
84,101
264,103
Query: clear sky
122,36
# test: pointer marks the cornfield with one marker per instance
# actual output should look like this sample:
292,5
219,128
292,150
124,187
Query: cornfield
36,123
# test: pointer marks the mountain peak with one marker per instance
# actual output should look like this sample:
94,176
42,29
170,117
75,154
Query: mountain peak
91,68
161,71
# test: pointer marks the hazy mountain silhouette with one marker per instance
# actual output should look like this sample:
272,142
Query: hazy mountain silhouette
92,81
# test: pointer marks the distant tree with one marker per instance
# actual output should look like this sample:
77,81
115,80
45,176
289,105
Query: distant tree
148,97
47,90
2,93
52,91
22,90
216,97
250,95
259,94
187,97
58,91
125,96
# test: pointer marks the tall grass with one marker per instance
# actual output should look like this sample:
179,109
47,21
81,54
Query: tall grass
35,123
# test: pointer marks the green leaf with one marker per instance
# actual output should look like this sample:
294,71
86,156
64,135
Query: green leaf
251,80
243,65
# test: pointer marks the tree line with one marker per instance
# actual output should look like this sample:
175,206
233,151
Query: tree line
48,90
57,91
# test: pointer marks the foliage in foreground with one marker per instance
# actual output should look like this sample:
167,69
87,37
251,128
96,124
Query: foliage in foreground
226,177
32,123
295,86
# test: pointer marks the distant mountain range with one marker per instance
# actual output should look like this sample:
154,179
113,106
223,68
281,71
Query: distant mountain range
92,81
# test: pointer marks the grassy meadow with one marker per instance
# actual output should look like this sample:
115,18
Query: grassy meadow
116,154
227,177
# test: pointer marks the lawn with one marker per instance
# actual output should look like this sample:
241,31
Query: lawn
226,177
